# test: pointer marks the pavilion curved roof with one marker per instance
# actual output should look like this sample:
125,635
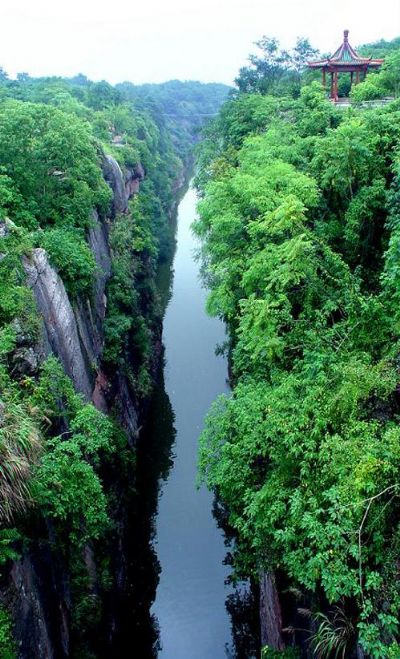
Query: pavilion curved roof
345,55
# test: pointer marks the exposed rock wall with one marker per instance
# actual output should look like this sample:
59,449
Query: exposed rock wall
60,330
124,186
41,605
270,612
31,627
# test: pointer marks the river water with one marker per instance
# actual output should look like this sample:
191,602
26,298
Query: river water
177,604
190,598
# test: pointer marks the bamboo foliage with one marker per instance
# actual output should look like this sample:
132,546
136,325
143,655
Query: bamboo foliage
19,448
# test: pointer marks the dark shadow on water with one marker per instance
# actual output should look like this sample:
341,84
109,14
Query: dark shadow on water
242,603
241,607
136,633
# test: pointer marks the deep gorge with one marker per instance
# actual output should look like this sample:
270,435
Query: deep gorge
199,363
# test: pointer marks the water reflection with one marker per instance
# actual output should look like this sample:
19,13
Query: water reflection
241,603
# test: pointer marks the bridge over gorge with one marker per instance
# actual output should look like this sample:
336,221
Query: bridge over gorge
188,116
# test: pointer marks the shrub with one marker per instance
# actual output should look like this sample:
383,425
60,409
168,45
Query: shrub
368,90
73,259
7,643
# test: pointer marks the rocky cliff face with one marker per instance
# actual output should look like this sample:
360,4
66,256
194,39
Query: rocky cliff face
59,328
270,613
73,331
124,186
41,604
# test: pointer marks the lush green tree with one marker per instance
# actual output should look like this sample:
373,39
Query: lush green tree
52,161
275,70
389,76
71,256
102,95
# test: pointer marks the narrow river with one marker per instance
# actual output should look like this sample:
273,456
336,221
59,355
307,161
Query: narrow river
190,598
177,604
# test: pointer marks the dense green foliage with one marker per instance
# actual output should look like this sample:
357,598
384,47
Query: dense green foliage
299,219
127,332
50,159
79,507
382,83
7,644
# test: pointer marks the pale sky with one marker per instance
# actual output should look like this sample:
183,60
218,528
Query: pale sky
153,41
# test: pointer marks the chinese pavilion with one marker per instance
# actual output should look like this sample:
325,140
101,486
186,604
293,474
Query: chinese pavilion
344,60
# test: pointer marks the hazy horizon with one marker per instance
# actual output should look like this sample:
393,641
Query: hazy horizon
180,40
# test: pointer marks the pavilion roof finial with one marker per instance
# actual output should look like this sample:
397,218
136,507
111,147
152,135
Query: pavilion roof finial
346,35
